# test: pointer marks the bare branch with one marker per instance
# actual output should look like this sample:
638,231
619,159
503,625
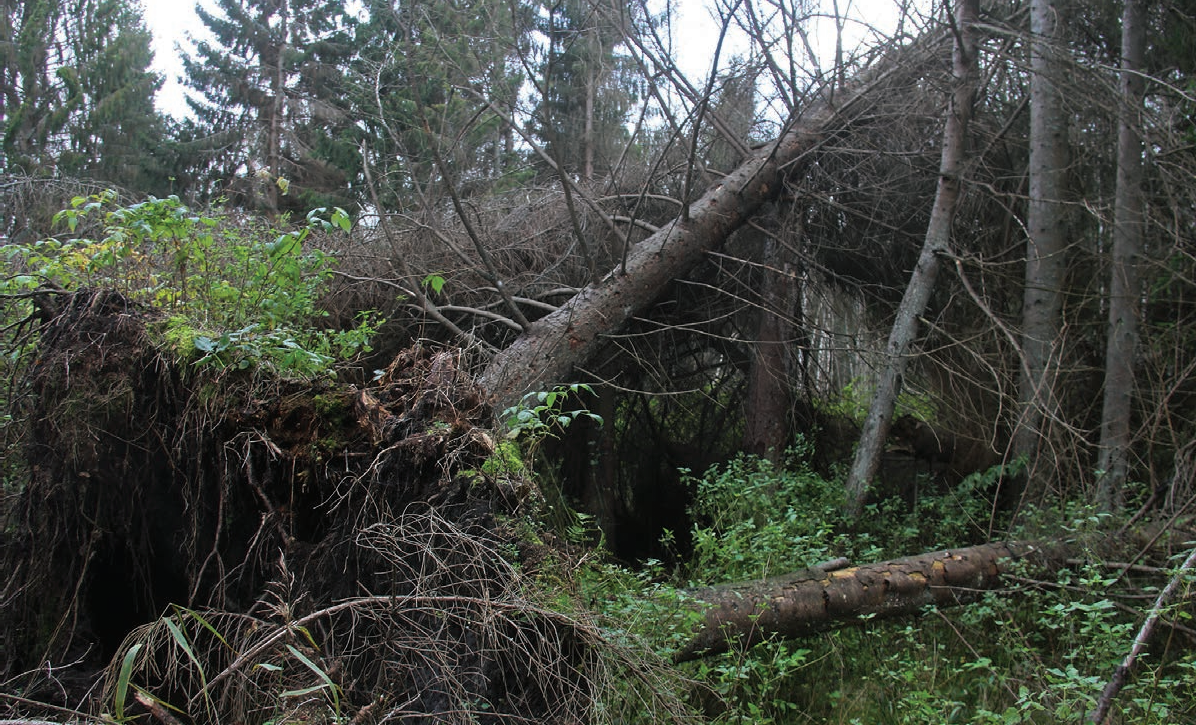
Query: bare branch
1117,681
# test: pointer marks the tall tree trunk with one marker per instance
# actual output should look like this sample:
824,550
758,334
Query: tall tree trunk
769,400
588,135
1043,297
272,62
1124,289
546,353
921,283
600,495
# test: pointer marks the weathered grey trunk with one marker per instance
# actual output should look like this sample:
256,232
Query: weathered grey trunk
921,283
587,141
1124,287
1043,294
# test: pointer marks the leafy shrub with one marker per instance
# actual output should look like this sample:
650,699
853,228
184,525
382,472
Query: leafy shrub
543,414
753,519
237,292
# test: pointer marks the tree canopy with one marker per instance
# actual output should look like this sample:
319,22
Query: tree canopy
79,93
506,273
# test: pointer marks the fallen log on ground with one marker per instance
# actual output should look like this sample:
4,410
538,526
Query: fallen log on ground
816,599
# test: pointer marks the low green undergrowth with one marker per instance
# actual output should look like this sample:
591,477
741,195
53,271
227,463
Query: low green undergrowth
1037,653
235,292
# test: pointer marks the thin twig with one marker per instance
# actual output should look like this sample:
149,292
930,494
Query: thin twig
1117,681
426,304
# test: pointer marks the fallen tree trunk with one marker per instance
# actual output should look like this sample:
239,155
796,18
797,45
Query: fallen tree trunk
548,351
816,599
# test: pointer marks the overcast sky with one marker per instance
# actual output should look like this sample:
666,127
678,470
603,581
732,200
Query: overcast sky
171,20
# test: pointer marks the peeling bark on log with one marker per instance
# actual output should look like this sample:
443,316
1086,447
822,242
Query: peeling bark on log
814,600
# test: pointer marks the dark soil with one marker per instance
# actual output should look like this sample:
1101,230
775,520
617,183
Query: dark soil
155,489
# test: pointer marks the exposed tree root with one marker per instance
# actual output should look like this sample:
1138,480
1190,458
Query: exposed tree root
249,549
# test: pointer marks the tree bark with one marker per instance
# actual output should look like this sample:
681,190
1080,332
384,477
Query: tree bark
1043,298
815,600
273,58
587,172
769,402
1124,292
921,283
601,496
547,352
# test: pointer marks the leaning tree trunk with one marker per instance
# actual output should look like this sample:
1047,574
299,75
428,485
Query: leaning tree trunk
921,283
1043,297
548,351
818,599
1123,287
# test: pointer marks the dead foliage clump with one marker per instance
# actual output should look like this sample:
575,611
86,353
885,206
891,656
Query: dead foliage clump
237,549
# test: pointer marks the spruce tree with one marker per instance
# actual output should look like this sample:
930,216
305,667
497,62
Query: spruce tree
118,135
427,84
77,92
32,112
268,99
587,87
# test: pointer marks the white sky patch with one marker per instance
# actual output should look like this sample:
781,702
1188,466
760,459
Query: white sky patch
170,21
695,27
865,22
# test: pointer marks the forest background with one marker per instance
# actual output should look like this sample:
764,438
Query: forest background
851,292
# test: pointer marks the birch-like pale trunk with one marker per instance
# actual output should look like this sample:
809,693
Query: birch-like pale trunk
921,283
1124,287
1042,300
